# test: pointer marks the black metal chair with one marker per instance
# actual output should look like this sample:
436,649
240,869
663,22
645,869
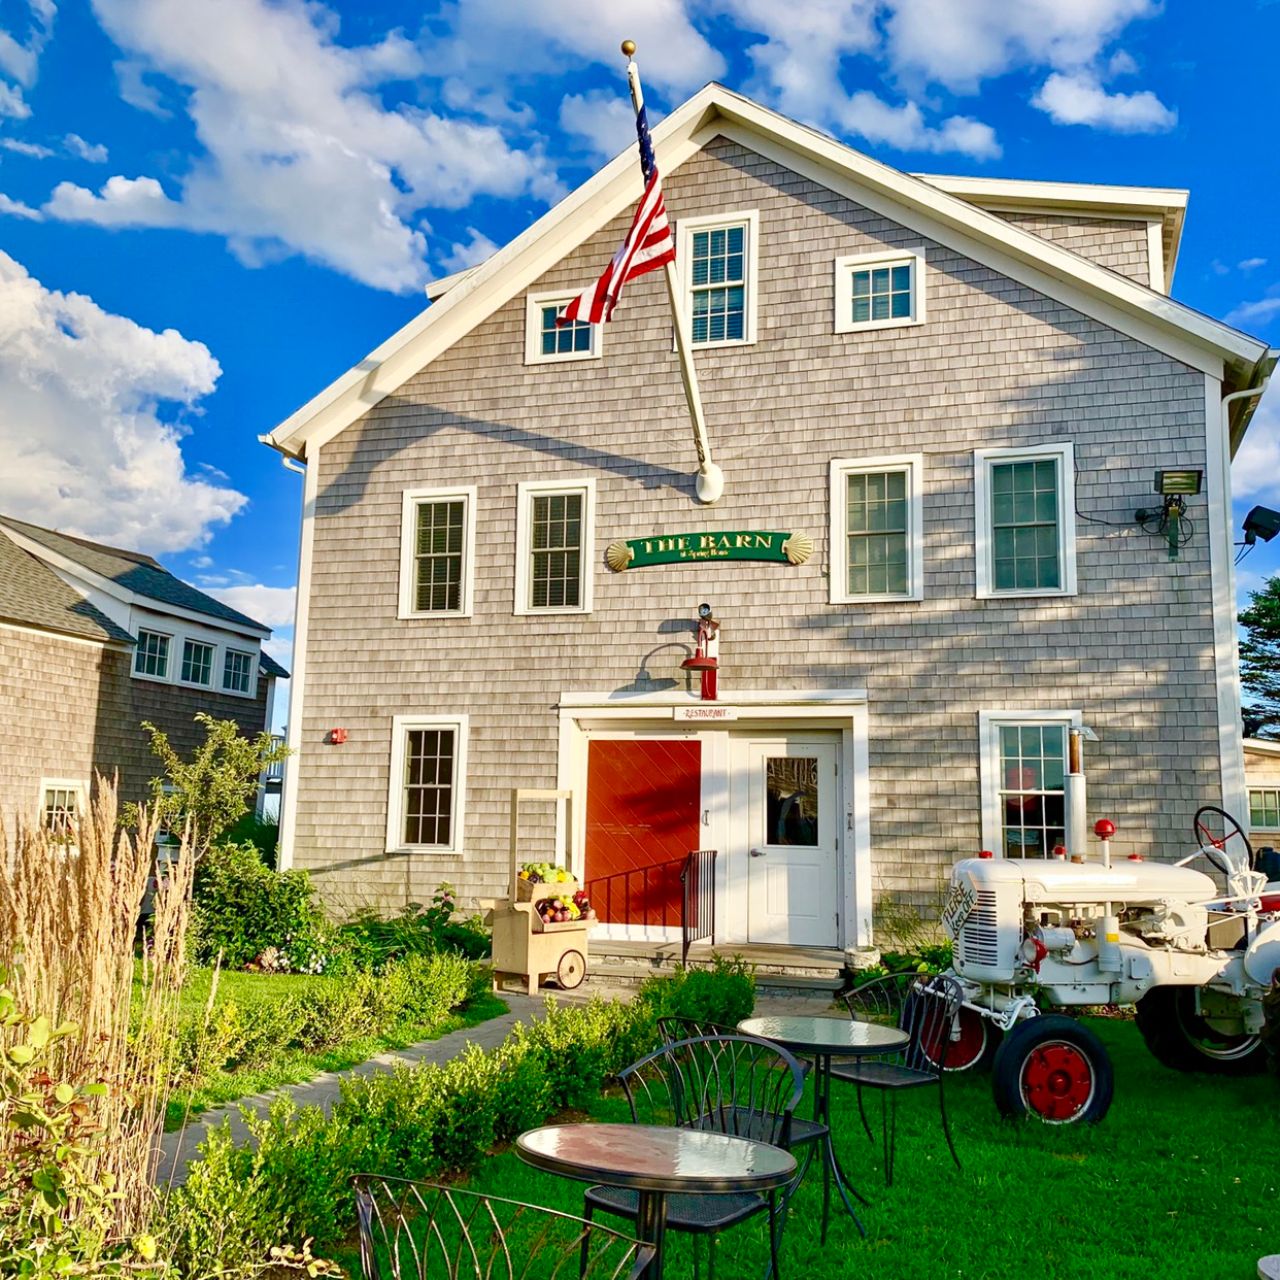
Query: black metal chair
926,1007
672,1028
734,1085
424,1231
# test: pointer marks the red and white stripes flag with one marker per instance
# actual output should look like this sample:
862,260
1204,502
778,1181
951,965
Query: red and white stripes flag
648,246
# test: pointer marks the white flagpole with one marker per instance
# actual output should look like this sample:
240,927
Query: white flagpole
709,482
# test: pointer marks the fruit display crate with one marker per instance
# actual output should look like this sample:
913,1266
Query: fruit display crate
535,891
562,926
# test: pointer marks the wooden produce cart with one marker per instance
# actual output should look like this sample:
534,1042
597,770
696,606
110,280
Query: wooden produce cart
523,945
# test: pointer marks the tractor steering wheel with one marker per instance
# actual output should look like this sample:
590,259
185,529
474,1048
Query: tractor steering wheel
1206,831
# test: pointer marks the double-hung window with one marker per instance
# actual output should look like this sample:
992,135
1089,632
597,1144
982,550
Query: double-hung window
879,290
876,543
428,783
554,547
197,662
1024,765
437,537
718,266
547,342
1026,521
237,671
1264,808
151,656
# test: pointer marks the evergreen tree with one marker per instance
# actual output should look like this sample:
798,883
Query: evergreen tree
1260,660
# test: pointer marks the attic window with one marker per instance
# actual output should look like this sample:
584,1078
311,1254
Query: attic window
879,290
549,343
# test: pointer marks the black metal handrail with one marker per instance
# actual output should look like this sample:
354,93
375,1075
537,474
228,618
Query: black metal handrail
641,891
698,905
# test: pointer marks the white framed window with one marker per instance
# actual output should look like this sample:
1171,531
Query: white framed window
555,540
237,671
1025,521
1264,808
428,783
877,544
545,342
197,663
151,655
882,290
63,802
718,257
1023,780
437,549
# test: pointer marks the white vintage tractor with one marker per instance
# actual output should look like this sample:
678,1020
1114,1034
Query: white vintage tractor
1195,960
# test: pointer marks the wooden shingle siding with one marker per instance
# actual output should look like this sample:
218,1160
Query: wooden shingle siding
1118,243
995,364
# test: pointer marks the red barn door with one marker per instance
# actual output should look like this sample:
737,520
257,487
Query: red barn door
644,798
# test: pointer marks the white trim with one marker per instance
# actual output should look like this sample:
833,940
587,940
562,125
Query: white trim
1222,577
685,229
439,287
400,727
78,785
1063,453
224,687
298,670
533,331
989,764
838,543
105,642
410,500
525,491
1155,257
845,267
749,702
1262,746
180,679
714,111
168,677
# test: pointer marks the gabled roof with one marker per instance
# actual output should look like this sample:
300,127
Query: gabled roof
32,595
270,667
716,111
138,574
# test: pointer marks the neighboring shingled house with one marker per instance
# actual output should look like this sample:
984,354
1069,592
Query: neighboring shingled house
93,641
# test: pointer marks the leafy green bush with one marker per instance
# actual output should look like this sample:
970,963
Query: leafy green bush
725,993
416,991
370,940
248,913
289,1180
927,958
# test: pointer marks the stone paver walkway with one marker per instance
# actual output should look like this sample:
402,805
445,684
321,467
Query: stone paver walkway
180,1148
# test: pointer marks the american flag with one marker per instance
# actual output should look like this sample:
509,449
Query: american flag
647,247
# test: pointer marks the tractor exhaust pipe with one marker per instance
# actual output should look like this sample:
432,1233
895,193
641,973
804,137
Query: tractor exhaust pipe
1077,818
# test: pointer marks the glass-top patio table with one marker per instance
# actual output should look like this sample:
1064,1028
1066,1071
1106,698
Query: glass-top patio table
656,1162
823,1039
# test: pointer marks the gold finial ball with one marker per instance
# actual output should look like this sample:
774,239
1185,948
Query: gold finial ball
629,48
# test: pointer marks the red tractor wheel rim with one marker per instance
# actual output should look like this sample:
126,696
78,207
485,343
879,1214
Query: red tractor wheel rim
1057,1081
963,1051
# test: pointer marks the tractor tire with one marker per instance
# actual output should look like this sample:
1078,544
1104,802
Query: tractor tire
1053,1069
974,1050
1179,1038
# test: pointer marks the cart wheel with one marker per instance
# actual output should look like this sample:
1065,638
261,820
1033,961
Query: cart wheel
571,970
1054,1069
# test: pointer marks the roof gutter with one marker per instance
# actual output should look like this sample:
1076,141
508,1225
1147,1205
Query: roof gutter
1250,395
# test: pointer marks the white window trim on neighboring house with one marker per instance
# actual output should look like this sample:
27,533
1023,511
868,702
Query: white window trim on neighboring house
526,491
1266,788
750,218
838,543
408,536
1063,453
167,677
227,651
989,725
77,785
533,353
845,267
214,649
401,726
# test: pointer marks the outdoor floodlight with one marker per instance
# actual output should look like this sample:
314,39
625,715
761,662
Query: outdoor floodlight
1181,480
1175,485
1262,523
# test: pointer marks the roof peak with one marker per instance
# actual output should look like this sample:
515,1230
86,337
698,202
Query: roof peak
137,557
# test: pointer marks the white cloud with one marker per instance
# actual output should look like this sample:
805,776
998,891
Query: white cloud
605,120
1263,311
1251,264
272,606
88,426
20,55
467,253
16,209
1121,63
21,148
202,562
905,128
1255,471
12,103
300,153
93,152
1079,98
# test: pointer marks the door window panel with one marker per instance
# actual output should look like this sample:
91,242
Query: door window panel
791,800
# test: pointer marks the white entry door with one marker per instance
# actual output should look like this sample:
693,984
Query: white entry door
788,830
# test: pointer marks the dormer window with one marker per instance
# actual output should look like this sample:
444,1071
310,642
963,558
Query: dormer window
879,290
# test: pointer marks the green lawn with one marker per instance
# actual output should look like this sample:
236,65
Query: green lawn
249,990
1181,1179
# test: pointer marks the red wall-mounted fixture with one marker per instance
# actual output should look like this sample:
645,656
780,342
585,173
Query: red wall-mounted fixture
336,737
706,658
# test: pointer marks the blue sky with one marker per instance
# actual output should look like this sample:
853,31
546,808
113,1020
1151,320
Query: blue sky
211,208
